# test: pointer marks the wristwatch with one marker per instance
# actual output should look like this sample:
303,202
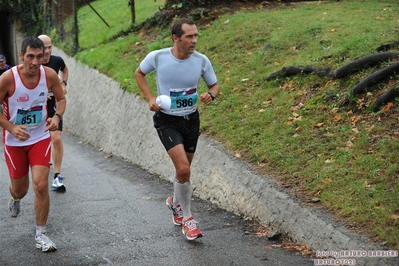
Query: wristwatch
212,95
59,116
64,82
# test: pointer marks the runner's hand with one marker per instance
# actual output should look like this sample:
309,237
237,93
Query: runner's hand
152,103
20,133
52,123
206,98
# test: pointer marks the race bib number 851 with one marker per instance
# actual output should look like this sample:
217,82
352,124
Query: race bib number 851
31,118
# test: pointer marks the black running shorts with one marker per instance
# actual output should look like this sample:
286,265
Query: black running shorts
174,130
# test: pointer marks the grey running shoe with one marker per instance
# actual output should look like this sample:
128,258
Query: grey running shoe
58,184
14,207
44,243
176,210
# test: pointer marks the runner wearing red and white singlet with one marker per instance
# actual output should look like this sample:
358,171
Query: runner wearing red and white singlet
26,127
27,107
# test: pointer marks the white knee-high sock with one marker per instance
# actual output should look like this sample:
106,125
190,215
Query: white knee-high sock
175,196
40,229
183,194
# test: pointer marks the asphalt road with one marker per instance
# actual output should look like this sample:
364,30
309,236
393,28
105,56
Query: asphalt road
114,213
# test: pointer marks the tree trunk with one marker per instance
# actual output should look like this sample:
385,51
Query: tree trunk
363,63
132,10
391,93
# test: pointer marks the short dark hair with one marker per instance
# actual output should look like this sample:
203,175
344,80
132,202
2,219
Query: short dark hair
177,26
32,42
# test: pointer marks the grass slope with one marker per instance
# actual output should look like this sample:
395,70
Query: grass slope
290,128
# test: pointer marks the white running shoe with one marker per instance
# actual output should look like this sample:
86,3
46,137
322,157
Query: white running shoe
58,184
44,243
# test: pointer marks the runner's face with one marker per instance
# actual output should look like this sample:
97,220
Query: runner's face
2,64
47,50
188,40
32,60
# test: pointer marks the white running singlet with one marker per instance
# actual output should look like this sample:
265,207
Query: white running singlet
27,107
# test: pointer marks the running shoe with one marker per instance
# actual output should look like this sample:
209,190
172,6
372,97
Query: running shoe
44,243
190,229
176,210
58,184
14,207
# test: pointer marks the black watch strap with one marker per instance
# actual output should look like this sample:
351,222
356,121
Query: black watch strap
212,95
59,116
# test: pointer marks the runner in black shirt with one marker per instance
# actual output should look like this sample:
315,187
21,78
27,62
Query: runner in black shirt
58,64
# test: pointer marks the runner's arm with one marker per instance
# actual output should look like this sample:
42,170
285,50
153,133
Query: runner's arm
64,75
7,88
206,97
59,95
143,85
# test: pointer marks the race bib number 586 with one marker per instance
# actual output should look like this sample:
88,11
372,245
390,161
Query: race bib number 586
183,100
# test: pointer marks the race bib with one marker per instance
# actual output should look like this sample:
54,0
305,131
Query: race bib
31,118
183,100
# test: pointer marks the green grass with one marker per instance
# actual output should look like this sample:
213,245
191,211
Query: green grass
116,14
348,157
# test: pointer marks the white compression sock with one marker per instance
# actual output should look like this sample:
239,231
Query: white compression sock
183,193
175,197
40,229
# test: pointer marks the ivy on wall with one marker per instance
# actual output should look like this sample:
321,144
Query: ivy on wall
32,16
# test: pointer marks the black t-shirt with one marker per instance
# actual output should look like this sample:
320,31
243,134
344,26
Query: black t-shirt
56,63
